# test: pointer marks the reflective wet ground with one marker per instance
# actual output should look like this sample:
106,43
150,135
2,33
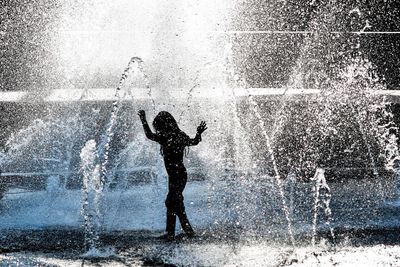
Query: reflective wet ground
363,248
45,228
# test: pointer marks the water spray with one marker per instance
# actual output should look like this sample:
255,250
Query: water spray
92,190
322,199
104,144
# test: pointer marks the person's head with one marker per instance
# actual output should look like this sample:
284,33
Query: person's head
165,123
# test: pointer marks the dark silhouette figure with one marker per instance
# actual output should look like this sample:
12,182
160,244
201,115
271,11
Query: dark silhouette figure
173,142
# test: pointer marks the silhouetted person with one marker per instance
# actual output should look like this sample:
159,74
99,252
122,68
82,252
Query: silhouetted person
173,142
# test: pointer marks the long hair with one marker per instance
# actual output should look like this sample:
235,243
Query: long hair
164,123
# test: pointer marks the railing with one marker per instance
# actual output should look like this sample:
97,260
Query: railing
50,173
108,94
193,170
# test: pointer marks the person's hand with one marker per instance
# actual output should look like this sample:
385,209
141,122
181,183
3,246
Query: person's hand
142,114
202,127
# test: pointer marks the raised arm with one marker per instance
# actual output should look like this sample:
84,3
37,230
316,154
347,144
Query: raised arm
200,129
147,131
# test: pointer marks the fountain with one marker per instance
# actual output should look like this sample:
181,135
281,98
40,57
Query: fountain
301,157
92,191
322,200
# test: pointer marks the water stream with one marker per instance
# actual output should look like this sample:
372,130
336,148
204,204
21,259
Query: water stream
275,172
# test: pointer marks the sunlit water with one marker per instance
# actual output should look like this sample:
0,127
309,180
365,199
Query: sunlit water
270,184
219,254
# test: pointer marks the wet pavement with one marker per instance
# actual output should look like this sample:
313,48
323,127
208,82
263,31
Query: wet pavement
63,247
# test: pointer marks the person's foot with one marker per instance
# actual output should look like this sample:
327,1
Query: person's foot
166,237
190,234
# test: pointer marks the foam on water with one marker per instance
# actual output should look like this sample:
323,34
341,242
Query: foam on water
105,252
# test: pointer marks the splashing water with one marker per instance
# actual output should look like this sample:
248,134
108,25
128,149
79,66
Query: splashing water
366,143
322,199
98,253
95,162
261,124
291,179
275,169
104,144
346,126
92,191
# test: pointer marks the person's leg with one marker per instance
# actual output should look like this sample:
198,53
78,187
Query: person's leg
171,222
183,219
171,217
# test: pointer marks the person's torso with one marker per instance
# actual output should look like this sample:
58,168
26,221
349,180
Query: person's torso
173,147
